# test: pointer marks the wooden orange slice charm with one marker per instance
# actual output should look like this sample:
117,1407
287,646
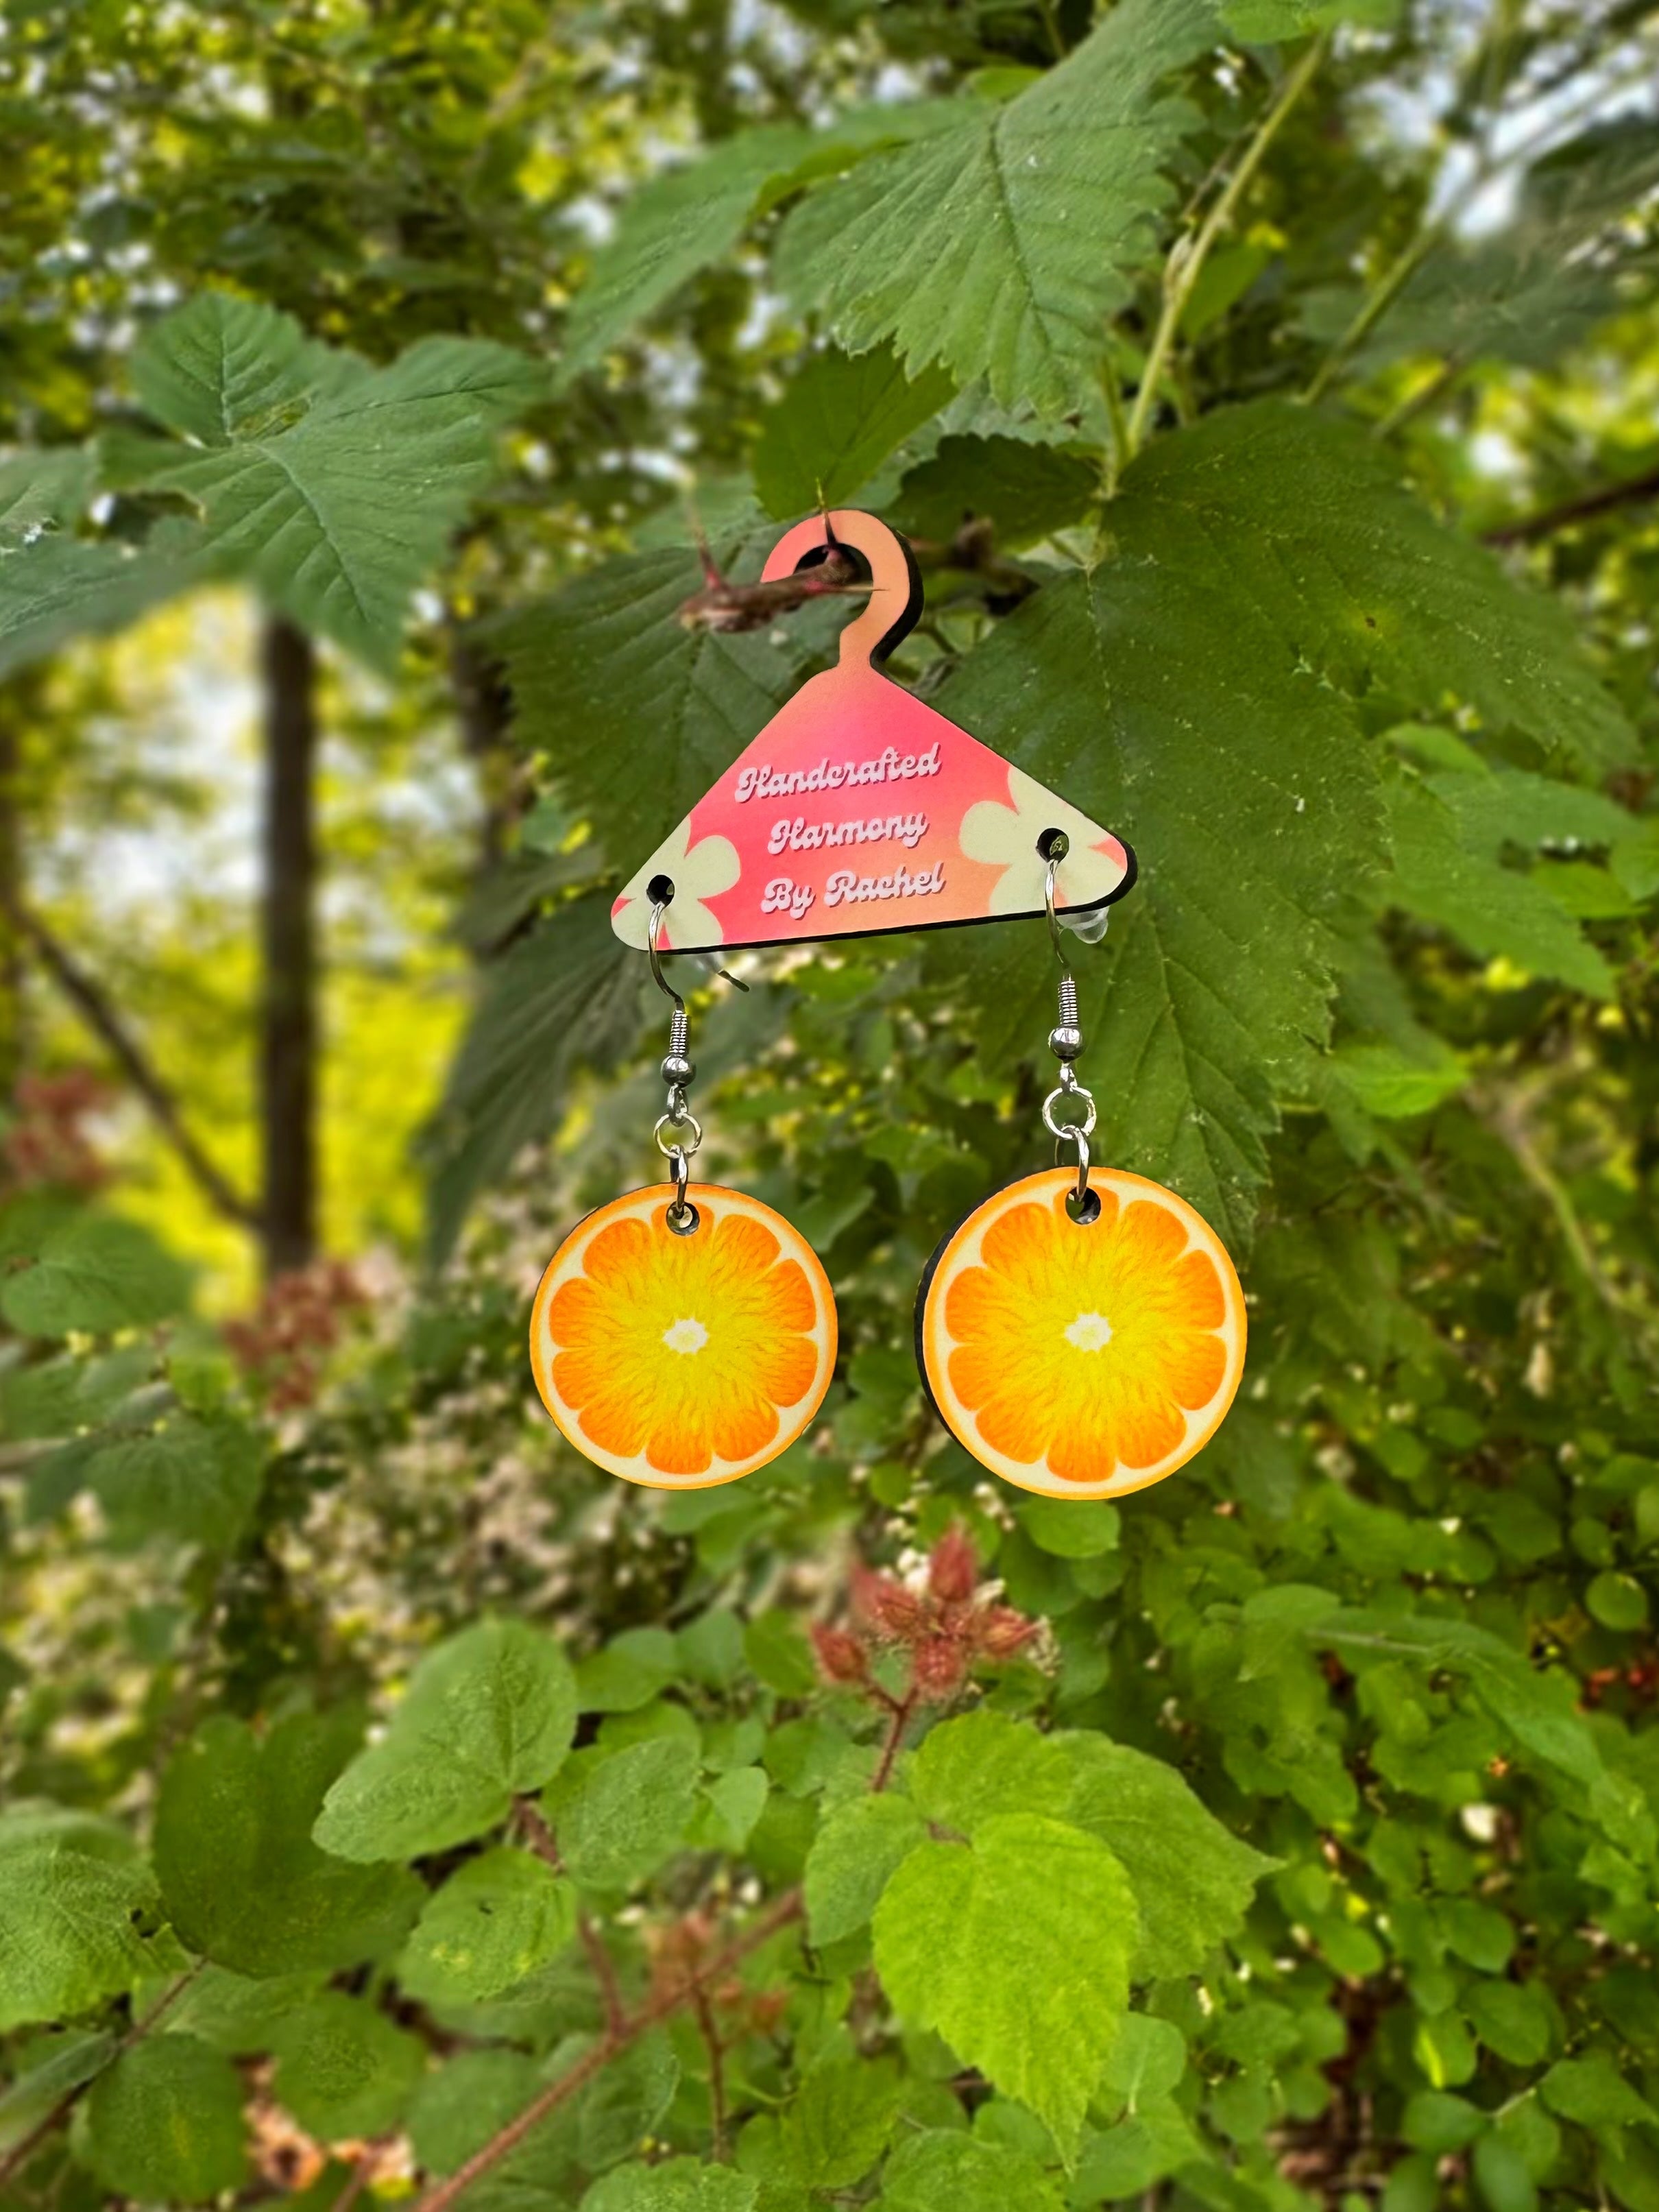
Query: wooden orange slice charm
1082,1361
683,1361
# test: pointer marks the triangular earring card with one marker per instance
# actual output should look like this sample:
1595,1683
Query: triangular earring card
859,808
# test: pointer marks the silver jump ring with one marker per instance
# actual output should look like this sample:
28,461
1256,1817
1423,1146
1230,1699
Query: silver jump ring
683,1216
1072,1096
1081,1195
685,1121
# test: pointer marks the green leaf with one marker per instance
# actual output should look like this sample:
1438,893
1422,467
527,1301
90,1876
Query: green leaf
95,1272
1025,490
565,997
970,1770
669,230
1593,2092
1002,245
779,1655
1491,909
165,2124
488,1714
334,487
839,418
343,2068
1193,1880
637,715
948,2170
678,2185
617,1814
219,364
842,2115
191,1478
61,1396
855,1850
55,584
243,1880
1133,2157
1186,665
495,1921
1146,2060
1037,2017
74,1928
1071,1528
731,1804
51,2068
629,1672
627,2102
689,217
457,2106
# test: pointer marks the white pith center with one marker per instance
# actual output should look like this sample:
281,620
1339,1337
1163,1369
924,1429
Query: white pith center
687,1336
1090,1332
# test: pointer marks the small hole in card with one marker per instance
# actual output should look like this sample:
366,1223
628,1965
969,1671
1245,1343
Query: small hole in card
1085,1210
1054,845
685,1220
660,890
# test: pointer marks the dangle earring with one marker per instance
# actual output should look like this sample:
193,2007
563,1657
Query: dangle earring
683,1335
1082,1333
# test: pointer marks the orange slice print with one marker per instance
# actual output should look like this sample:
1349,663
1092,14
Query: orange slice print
681,1362
1082,1361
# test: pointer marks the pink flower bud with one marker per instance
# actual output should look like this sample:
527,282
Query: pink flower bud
885,1606
953,1569
1002,1632
841,1657
939,1667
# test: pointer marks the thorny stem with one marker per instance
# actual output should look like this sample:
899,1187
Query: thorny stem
543,1843
711,2036
785,1909
605,1971
901,1708
1186,259
24,2149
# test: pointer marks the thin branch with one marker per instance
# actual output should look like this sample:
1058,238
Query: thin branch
703,2014
97,1012
1526,529
534,1829
24,2149
1182,270
901,1708
604,1972
785,1909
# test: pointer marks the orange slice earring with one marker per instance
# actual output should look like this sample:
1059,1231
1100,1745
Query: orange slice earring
1082,1333
683,1335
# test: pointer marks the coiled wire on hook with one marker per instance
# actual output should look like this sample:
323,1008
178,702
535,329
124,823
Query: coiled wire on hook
678,1070
1065,1042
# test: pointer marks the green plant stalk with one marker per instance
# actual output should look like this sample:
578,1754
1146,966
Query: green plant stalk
1181,270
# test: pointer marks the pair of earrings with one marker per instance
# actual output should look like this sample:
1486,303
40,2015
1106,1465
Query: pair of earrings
1082,1333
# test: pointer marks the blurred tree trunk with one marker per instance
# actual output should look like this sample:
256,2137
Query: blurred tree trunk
289,1027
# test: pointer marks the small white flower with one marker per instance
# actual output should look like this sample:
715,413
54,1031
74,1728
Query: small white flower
698,873
1006,837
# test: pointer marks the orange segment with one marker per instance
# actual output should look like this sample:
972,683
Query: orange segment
680,1362
1082,1361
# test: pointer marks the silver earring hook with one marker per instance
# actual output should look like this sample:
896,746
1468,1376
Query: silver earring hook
1059,846
658,908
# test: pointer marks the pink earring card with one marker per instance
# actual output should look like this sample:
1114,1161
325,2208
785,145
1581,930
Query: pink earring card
859,808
